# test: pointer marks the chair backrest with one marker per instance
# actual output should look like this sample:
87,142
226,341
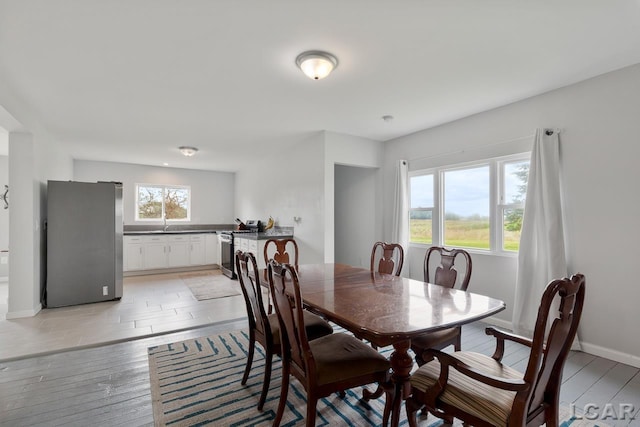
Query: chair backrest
549,351
391,258
446,272
285,291
249,279
280,250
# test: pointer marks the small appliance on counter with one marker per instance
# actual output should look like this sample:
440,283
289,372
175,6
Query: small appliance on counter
255,225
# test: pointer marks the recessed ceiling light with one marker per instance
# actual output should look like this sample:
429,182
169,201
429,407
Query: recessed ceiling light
188,151
316,64
165,164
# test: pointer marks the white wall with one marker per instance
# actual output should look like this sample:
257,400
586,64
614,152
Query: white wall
4,219
599,152
4,213
349,150
355,214
300,182
33,158
284,185
212,193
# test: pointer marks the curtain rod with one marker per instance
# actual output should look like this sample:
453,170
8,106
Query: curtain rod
548,131
472,149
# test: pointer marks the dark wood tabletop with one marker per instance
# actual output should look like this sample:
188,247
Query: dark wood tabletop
389,310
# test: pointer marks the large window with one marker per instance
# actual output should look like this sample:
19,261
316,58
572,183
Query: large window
157,202
477,205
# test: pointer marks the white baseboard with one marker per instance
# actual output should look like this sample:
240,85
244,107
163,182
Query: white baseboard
504,324
607,353
596,350
24,313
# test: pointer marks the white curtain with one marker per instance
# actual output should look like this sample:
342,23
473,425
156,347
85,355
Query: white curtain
542,256
400,231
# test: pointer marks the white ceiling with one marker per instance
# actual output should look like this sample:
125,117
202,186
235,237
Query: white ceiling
131,80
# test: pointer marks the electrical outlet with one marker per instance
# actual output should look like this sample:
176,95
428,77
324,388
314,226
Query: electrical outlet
4,260
105,290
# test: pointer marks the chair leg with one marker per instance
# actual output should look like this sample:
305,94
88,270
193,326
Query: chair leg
412,407
389,391
551,416
252,346
267,379
284,389
367,395
312,403
458,344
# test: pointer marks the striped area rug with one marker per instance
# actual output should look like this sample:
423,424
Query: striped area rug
197,382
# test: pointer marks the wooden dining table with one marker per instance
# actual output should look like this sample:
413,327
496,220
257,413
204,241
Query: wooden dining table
389,310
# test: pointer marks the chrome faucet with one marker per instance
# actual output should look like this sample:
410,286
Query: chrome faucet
164,219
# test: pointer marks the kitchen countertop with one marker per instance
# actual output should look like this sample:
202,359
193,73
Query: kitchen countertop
265,235
276,232
156,232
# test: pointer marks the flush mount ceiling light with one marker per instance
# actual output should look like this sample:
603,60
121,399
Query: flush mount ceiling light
316,64
188,151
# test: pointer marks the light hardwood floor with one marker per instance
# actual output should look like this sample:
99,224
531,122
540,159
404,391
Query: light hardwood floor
109,385
151,305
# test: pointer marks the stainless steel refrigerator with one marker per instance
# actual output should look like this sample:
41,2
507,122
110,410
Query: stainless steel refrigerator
84,242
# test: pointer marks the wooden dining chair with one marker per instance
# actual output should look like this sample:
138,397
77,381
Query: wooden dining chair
440,268
481,391
387,258
329,364
280,250
263,328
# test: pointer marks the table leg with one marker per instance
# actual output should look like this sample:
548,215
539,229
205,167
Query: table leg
401,364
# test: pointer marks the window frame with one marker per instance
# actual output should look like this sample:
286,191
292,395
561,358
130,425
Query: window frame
164,188
496,198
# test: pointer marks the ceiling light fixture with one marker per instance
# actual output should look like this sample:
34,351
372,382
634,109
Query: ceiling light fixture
188,151
316,64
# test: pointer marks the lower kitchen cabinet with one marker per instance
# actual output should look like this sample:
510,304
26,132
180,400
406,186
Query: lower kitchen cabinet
132,253
211,249
178,250
169,251
197,250
256,247
154,252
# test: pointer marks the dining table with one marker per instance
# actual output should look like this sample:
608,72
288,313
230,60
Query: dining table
389,310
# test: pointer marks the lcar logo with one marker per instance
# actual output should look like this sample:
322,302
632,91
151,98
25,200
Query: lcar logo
608,411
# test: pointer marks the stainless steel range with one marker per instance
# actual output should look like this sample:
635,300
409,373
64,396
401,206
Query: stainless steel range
227,256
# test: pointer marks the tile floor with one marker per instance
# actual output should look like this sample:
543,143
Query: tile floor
151,305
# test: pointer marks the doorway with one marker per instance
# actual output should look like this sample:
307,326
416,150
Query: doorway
356,218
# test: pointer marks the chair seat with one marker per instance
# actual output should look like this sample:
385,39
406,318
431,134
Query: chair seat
431,339
474,397
341,356
315,325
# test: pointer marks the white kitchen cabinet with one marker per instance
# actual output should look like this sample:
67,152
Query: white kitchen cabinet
178,250
170,251
240,243
211,249
197,249
256,247
132,250
154,254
